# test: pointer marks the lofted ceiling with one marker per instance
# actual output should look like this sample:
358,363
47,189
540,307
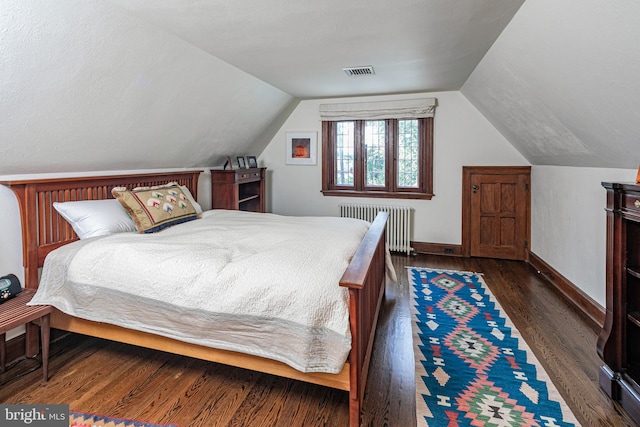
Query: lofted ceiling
119,84
302,46
561,83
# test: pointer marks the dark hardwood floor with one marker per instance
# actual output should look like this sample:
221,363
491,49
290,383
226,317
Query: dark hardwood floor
114,379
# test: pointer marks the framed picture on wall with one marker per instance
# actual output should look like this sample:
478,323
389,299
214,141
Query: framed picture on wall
301,148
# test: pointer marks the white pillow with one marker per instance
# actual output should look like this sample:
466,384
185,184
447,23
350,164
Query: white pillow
195,204
91,218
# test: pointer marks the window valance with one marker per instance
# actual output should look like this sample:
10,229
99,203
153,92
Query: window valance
400,109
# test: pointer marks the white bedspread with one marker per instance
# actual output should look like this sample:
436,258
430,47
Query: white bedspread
260,284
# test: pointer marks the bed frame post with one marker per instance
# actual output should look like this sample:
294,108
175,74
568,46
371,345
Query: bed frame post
29,257
26,198
366,279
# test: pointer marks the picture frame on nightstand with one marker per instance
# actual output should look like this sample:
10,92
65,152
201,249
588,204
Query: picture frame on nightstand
252,162
228,163
241,163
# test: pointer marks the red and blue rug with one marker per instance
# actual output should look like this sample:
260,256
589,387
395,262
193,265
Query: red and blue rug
81,419
472,366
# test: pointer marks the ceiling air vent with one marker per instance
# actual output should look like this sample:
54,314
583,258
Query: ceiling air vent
359,71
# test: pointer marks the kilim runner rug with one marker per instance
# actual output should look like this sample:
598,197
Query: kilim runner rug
472,366
80,419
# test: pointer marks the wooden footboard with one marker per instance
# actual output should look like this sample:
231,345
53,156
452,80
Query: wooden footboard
366,279
43,230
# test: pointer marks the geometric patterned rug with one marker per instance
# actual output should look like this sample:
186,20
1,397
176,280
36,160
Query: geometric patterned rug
81,419
472,366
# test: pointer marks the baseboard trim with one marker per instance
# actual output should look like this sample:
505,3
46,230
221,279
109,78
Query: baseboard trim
15,348
581,300
437,248
574,294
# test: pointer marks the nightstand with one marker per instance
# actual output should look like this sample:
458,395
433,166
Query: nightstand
16,312
238,189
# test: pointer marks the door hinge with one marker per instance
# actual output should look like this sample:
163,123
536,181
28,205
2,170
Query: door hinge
526,187
526,244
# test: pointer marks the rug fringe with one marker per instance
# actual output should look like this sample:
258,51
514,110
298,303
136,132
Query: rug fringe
78,418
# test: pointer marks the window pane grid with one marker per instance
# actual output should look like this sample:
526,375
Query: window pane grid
408,173
345,153
375,143
388,158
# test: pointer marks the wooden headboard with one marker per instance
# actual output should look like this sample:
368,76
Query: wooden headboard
44,230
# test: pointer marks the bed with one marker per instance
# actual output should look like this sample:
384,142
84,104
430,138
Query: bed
44,230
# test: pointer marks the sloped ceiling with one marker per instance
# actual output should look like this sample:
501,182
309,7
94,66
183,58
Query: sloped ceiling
86,86
132,84
562,83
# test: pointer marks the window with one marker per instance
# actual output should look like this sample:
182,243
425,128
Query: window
379,157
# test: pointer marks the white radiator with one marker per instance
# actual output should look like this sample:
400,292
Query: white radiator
398,224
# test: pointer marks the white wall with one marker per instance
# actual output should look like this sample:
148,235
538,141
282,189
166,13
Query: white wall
462,137
568,222
85,85
567,203
11,247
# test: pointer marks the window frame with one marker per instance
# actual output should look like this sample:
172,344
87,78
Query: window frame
390,189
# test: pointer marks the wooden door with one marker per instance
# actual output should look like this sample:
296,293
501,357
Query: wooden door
497,212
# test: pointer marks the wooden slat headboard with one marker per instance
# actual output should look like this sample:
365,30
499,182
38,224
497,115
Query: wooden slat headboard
44,230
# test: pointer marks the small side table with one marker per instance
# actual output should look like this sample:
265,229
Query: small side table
16,312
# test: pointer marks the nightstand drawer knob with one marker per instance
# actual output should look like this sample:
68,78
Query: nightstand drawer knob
637,204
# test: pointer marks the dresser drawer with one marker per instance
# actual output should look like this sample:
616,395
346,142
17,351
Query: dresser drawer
248,175
631,202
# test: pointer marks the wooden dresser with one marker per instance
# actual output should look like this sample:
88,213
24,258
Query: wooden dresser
619,340
240,189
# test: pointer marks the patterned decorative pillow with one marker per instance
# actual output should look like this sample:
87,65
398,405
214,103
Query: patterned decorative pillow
155,208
